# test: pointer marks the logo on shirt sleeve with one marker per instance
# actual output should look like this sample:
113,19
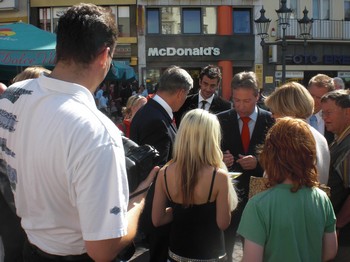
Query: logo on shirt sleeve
115,210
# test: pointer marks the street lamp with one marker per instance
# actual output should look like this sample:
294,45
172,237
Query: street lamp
263,23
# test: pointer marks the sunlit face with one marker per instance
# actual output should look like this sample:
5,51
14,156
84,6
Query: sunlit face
336,119
208,86
244,100
316,93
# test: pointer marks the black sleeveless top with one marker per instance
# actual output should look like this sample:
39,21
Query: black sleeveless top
194,232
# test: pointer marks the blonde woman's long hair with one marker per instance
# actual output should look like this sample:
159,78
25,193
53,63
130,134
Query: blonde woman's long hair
197,144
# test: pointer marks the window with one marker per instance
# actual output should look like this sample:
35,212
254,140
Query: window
191,19
153,21
347,10
320,9
177,20
209,20
48,18
123,20
292,4
241,21
171,20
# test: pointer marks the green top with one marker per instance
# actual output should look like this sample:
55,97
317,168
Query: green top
289,226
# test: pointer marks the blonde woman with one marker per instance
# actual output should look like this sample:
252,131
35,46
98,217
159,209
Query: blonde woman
292,99
30,72
134,103
199,190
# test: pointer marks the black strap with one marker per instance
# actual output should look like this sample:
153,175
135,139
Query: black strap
212,184
166,185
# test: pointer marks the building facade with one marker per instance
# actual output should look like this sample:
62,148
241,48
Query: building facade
327,51
193,34
155,34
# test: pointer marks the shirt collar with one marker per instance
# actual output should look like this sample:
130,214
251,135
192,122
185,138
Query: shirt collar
164,104
344,134
253,116
200,98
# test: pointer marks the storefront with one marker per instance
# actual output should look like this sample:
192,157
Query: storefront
232,53
305,61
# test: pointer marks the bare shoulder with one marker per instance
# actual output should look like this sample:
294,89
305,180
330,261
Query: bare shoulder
222,175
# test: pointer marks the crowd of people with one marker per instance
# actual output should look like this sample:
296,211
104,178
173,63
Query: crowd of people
63,157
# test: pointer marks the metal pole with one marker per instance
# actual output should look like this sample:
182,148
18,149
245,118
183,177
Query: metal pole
284,48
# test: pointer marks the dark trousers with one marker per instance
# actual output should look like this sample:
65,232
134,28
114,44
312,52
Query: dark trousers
231,231
11,233
159,244
32,253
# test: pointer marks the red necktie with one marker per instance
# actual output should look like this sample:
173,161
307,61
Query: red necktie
245,135
173,122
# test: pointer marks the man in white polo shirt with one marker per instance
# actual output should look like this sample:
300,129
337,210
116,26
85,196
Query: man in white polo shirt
65,159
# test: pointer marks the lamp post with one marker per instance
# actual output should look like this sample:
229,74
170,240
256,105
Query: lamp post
263,23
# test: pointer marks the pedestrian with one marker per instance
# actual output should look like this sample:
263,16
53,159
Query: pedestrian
153,124
65,159
199,190
338,83
319,85
207,98
336,115
293,220
30,73
292,99
243,127
134,103
11,231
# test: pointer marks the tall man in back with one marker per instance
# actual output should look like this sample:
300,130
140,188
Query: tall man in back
319,85
207,99
243,127
153,124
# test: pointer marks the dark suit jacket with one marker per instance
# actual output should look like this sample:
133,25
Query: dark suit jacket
329,136
152,125
232,141
218,105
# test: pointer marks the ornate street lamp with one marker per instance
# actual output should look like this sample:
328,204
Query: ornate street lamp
263,23
305,26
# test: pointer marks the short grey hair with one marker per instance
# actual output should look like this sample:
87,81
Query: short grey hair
175,78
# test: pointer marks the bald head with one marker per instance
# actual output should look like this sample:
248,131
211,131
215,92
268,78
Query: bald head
3,87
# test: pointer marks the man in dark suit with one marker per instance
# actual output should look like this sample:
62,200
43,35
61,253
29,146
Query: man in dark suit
206,98
319,85
243,128
153,124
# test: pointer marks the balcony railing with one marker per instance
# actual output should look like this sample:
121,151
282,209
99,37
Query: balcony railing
321,29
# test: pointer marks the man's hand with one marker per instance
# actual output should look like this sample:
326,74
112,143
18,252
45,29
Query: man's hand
248,162
228,159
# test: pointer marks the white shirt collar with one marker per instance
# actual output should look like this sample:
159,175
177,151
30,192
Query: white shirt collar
200,98
253,116
164,104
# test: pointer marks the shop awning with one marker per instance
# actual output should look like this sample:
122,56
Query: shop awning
25,45
120,71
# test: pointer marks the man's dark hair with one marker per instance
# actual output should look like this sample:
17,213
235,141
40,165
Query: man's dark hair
340,97
246,80
211,71
83,32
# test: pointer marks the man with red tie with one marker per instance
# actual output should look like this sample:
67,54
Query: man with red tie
243,128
